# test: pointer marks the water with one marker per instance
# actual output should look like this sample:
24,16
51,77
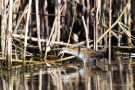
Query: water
117,76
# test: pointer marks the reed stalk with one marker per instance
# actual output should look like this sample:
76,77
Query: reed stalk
110,22
58,7
26,29
129,23
86,31
38,26
116,22
20,19
73,21
95,27
49,42
9,40
3,26
46,19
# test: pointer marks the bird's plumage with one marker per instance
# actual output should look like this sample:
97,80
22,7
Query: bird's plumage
83,54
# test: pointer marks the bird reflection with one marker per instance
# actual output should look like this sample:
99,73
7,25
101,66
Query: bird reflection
81,77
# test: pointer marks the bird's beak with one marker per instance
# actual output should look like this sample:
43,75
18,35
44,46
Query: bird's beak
61,52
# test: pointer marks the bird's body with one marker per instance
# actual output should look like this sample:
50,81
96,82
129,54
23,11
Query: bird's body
84,54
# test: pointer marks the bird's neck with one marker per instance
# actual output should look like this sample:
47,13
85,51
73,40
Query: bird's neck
77,54
74,53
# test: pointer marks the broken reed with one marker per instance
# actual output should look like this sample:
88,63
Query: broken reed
24,23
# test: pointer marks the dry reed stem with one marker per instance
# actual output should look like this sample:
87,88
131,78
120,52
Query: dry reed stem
71,27
125,30
3,26
88,18
115,23
38,26
97,6
44,40
94,26
53,30
58,7
70,32
26,29
129,23
20,19
46,18
114,34
52,37
64,12
9,34
110,20
86,31
41,62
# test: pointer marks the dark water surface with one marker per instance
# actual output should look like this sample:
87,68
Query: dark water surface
117,76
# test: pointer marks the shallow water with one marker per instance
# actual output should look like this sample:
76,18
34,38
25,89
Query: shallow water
117,76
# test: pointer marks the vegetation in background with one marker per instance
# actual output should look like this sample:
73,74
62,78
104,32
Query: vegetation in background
31,28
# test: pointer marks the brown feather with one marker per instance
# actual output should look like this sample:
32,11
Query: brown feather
83,53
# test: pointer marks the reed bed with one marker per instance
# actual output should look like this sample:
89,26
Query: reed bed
31,28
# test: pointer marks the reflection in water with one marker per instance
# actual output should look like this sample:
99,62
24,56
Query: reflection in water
121,73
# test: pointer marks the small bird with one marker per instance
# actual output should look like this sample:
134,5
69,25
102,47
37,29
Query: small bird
83,54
